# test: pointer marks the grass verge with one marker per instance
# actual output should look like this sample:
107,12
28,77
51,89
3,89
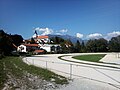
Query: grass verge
92,58
2,74
17,67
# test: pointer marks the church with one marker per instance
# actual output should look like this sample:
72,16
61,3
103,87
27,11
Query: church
39,44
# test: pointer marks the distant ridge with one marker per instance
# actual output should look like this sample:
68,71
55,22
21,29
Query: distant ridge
67,37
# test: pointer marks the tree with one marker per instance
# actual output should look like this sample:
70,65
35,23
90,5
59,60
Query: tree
102,45
70,46
77,47
97,45
16,39
32,41
91,46
83,47
5,43
63,47
57,40
114,44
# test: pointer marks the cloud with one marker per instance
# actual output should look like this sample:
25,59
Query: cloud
44,31
57,33
79,35
94,36
107,36
112,34
63,31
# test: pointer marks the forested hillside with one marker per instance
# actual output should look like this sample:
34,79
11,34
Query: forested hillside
8,42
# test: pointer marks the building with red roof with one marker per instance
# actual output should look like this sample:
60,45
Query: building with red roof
38,44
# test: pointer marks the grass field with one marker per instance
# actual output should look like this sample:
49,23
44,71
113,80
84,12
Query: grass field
92,58
16,67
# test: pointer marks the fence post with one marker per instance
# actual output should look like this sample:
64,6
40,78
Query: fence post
70,71
118,55
46,64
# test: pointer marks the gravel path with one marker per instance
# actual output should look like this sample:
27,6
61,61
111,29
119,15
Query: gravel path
85,77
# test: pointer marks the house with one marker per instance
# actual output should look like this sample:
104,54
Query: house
22,48
42,39
51,48
28,47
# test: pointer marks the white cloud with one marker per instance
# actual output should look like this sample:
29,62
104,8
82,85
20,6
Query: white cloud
57,33
44,31
94,36
63,31
79,35
112,34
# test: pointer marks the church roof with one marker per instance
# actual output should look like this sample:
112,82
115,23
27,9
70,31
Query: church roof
42,37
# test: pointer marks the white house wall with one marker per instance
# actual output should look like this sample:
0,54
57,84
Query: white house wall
21,48
48,49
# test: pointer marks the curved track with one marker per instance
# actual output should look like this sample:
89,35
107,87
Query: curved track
100,76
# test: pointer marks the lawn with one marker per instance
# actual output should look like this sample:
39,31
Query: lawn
92,58
17,68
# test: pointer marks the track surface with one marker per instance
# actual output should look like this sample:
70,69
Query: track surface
85,75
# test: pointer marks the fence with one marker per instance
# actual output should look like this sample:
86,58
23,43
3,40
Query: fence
118,55
77,70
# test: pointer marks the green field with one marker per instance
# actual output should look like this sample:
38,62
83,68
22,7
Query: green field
17,68
92,58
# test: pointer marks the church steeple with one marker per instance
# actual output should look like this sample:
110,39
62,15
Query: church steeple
35,34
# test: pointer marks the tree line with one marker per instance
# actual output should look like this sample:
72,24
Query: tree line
8,43
92,45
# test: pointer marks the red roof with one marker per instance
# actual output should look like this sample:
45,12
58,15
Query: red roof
42,37
39,51
31,45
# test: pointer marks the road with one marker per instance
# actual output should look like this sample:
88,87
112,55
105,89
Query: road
85,75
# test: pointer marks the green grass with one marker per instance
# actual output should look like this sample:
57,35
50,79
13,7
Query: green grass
17,67
92,58
2,74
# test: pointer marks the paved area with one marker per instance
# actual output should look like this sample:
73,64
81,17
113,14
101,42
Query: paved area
113,58
85,77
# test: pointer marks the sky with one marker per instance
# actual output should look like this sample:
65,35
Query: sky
81,18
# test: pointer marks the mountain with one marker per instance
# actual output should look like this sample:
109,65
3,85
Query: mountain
67,37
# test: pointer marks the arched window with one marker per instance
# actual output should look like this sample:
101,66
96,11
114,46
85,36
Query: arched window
53,48
58,48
